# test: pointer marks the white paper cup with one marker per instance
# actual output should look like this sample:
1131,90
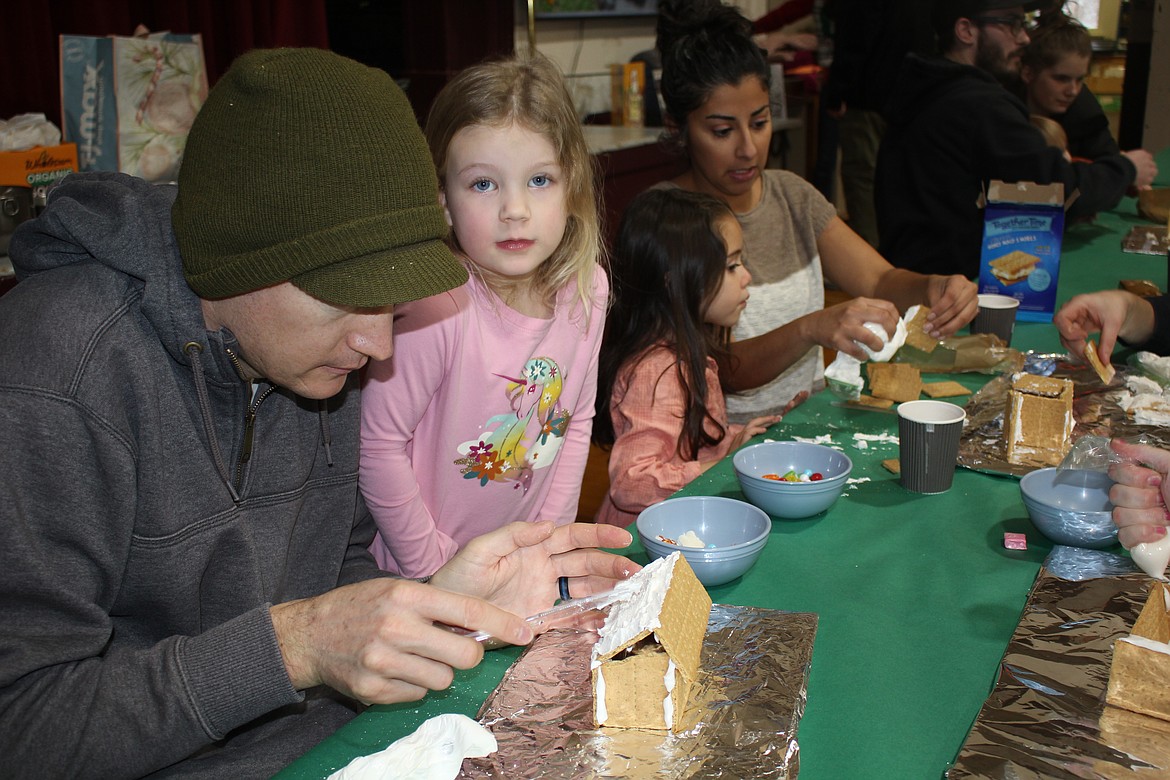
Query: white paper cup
928,434
997,314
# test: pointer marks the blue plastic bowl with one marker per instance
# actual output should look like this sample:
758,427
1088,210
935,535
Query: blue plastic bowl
791,500
735,531
1071,506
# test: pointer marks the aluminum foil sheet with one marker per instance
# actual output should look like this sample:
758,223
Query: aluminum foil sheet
1046,717
1095,409
746,708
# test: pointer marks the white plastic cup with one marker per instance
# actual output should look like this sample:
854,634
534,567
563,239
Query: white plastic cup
997,314
928,434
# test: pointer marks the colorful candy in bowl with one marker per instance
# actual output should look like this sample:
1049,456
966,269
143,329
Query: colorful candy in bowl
792,479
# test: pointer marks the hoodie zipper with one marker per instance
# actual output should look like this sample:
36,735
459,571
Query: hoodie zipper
249,423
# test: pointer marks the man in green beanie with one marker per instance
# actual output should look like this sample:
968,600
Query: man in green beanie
186,588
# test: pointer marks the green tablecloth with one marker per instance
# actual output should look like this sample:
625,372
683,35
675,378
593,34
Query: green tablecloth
917,595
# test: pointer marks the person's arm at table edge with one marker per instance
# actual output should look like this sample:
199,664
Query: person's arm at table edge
1115,315
1156,330
860,270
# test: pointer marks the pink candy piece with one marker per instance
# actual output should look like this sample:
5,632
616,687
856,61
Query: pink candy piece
1015,541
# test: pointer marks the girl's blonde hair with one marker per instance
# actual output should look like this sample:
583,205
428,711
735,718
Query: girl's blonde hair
529,91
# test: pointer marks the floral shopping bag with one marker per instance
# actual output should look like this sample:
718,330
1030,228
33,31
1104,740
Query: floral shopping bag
128,102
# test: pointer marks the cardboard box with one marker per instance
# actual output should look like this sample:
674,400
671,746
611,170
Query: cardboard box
1023,224
627,94
37,167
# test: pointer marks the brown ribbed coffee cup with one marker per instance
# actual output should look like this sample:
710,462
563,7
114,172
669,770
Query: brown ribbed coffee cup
997,314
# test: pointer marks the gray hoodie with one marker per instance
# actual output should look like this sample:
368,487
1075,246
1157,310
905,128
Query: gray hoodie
138,564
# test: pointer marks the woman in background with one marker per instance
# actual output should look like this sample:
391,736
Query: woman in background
1052,84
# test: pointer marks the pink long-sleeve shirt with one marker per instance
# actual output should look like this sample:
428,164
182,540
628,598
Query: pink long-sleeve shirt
647,412
481,417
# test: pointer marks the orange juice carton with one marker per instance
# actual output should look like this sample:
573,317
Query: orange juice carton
627,93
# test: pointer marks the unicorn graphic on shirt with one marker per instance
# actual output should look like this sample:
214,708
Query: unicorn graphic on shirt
528,436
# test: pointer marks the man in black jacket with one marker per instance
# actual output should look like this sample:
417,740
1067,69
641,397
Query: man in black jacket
953,128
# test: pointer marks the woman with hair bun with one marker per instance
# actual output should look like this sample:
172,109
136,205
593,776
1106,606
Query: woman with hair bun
715,85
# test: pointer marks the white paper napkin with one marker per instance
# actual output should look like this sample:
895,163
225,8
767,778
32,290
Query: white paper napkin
435,751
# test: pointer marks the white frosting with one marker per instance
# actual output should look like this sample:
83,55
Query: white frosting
668,701
890,344
1148,644
638,608
1152,557
824,438
1140,385
844,376
1017,420
1147,408
1146,399
599,710
691,539
884,438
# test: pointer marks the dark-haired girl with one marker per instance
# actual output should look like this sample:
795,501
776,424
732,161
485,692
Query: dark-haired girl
679,286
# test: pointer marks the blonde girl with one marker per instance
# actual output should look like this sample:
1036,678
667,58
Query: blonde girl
483,415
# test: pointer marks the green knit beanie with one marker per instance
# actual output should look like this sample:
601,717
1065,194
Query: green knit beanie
308,167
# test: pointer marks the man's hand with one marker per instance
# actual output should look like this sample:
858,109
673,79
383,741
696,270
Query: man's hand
377,640
517,566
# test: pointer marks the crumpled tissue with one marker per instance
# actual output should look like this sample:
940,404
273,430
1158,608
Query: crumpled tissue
26,131
843,376
435,751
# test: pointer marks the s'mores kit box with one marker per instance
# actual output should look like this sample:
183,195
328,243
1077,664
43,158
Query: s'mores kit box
1023,223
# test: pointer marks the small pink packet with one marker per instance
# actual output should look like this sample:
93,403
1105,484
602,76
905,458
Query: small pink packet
1015,541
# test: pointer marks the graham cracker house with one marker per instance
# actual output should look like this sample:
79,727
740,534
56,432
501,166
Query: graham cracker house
1038,422
646,659
1141,661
